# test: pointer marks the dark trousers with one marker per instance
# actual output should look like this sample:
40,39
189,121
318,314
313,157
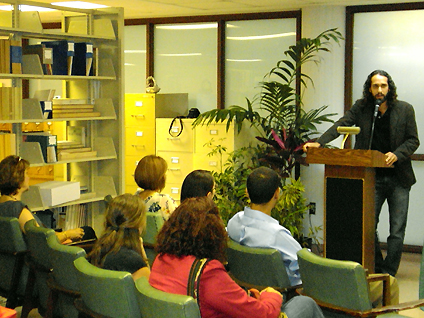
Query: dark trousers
388,188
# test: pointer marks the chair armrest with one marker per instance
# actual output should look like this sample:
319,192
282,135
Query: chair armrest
385,278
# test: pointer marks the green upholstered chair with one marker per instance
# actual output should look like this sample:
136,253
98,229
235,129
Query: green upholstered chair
62,280
154,222
13,271
253,267
155,303
40,267
105,293
341,287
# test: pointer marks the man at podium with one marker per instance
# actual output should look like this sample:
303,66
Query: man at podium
387,125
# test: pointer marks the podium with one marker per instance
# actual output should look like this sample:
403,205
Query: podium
349,208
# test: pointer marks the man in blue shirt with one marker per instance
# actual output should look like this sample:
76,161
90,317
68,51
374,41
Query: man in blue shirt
255,227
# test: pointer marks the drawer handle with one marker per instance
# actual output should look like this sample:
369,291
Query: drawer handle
175,138
138,116
139,146
174,169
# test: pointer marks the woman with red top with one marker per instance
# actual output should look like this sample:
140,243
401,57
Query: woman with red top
195,230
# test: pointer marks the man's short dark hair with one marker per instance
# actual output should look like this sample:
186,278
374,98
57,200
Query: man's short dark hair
262,184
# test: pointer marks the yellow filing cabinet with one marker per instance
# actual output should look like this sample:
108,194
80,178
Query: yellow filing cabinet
141,110
188,151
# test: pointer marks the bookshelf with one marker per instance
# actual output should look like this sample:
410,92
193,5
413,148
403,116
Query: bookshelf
103,172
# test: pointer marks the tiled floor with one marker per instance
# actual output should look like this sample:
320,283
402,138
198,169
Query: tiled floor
408,275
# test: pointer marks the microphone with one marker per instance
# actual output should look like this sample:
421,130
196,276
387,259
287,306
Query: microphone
378,102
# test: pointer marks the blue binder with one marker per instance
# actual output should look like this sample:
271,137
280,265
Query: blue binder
63,54
83,59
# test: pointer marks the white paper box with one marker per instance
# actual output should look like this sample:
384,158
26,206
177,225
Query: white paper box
58,192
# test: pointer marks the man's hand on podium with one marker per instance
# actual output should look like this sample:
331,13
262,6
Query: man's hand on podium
391,158
310,145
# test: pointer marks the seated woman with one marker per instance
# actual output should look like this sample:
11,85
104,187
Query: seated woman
198,183
120,247
195,231
150,176
14,181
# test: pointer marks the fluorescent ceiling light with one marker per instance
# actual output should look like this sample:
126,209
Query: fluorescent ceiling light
260,37
24,7
189,26
253,60
79,5
180,54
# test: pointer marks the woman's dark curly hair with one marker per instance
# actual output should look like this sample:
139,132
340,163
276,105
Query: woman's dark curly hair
12,174
194,228
391,95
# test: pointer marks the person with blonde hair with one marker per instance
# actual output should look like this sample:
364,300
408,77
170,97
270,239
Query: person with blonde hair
14,181
150,176
120,247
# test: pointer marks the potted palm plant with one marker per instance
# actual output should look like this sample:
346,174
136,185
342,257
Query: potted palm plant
283,126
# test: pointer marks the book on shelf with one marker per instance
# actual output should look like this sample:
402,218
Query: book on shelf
63,54
45,55
75,114
45,97
5,54
10,103
48,144
46,108
15,57
7,145
66,144
69,101
83,59
70,155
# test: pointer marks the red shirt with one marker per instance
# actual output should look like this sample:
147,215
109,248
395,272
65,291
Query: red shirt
220,296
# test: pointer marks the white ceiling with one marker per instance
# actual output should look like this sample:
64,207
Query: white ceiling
175,8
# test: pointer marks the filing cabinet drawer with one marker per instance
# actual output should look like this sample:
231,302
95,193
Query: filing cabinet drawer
130,165
139,109
210,163
166,142
218,133
139,141
173,190
180,164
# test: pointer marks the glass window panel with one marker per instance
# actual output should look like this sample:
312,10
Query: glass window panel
384,40
252,49
186,62
135,58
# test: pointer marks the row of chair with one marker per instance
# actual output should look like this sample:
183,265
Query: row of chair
60,274
338,286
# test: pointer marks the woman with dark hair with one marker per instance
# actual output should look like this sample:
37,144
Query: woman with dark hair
120,247
198,183
150,176
195,231
14,181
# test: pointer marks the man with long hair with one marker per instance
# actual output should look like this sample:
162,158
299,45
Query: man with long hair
395,134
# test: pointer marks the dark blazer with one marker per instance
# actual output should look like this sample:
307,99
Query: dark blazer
403,134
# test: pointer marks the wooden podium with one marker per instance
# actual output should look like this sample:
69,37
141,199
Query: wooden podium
349,211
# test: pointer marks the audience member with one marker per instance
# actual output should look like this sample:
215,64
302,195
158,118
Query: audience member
150,176
198,183
255,227
195,230
14,181
120,247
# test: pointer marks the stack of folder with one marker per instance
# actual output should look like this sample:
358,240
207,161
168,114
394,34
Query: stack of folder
73,108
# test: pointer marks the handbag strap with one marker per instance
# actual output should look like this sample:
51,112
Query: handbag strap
196,271
173,134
